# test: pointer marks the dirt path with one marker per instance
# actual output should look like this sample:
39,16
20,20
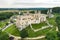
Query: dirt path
7,26
43,27
56,28
16,38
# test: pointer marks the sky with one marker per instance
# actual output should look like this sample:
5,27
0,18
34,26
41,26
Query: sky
29,3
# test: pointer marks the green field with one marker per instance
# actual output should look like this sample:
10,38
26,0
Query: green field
31,33
3,23
37,26
52,20
14,31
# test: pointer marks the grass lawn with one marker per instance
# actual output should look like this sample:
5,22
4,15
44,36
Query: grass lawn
42,32
57,14
52,20
3,23
13,30
37,26
38,33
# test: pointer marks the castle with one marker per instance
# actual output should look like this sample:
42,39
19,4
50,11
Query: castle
25,20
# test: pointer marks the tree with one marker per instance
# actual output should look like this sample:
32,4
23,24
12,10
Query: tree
51,36
5,15
58,34
32,12
58,22
4,36
21,13
56,10
24,33
44,11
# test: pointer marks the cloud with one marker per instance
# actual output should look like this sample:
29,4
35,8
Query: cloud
29,3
